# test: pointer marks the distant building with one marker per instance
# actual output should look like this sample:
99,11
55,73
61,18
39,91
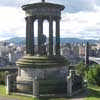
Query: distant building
12,57
92,53
10,53
4,43
82,51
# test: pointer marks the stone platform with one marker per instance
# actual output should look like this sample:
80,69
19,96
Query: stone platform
32,66
41,61
42,67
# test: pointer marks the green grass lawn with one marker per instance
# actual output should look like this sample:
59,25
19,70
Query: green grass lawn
93,93
3,93
53,98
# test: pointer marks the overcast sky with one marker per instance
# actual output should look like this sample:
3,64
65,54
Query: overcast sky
80,19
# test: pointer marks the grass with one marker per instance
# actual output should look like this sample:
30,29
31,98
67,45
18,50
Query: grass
54,98
93,93
3,93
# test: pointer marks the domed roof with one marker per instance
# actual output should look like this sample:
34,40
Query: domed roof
42,4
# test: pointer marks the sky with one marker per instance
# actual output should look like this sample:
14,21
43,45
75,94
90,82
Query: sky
80,19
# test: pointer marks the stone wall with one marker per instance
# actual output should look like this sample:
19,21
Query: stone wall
28,74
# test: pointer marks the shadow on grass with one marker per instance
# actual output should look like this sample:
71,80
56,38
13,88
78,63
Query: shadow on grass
54,98
82,94
93,93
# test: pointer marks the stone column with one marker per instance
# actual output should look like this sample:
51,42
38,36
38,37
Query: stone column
69,84
35,87
29,35
8,88
50,36
58,36
40,32
32,36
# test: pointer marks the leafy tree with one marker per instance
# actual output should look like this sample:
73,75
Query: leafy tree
94,74
2,77
81,69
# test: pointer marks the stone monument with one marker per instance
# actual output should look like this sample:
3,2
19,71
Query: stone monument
31,66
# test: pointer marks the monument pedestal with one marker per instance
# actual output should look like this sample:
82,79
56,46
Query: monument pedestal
42,67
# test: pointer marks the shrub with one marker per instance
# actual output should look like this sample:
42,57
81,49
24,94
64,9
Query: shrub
81,69
3,77
93,74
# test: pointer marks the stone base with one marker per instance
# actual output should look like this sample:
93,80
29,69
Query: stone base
27,76
42,62
40,67
25,87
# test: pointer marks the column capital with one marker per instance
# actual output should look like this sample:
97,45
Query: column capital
57,18
50,19
30,18
40,19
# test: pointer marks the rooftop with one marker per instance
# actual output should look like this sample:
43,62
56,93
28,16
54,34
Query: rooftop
43,4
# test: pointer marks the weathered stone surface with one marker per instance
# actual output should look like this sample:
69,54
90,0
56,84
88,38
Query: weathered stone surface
35,87
28,74
42,61
36,7
58,36
50,36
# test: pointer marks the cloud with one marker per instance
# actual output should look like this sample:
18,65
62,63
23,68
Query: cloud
7,2
71,5
16,3
97,2
81,19
11,22
81,24
79,5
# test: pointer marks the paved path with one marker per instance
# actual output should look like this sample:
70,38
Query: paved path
81,95
5,98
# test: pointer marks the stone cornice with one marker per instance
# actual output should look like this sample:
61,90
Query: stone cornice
36,5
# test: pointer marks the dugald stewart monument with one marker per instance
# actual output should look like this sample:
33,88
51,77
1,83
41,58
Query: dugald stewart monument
45,73
42,66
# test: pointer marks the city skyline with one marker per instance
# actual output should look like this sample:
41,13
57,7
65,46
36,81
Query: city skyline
80,19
